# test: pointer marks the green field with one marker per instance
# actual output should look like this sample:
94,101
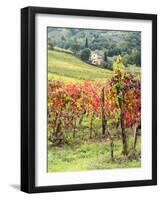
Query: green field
89,155
67,67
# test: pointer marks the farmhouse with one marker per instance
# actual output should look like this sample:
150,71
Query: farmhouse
96,58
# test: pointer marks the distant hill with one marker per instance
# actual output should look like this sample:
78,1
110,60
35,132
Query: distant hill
114,43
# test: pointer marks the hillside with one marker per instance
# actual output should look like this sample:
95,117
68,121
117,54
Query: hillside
67,67
112,43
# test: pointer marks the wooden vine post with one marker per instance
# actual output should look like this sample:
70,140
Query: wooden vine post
104,121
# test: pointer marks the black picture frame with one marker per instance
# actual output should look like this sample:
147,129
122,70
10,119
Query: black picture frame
28,98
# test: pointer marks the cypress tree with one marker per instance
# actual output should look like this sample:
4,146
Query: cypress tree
86,44
105,56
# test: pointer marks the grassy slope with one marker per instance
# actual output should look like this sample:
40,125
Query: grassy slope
67,67
89,155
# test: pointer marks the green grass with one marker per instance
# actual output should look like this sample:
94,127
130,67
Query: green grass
134,69
89,155
69,68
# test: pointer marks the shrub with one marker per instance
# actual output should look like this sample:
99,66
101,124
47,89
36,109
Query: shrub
85,54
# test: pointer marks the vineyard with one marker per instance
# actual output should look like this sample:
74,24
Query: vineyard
94,124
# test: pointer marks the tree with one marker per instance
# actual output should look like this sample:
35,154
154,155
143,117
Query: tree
125,105
85,54
138,58
50,44
118,64
133,55
86,43
75,47
105,56
117,51
126,59
111,52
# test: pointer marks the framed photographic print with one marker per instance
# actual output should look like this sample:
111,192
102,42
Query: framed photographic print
88,99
